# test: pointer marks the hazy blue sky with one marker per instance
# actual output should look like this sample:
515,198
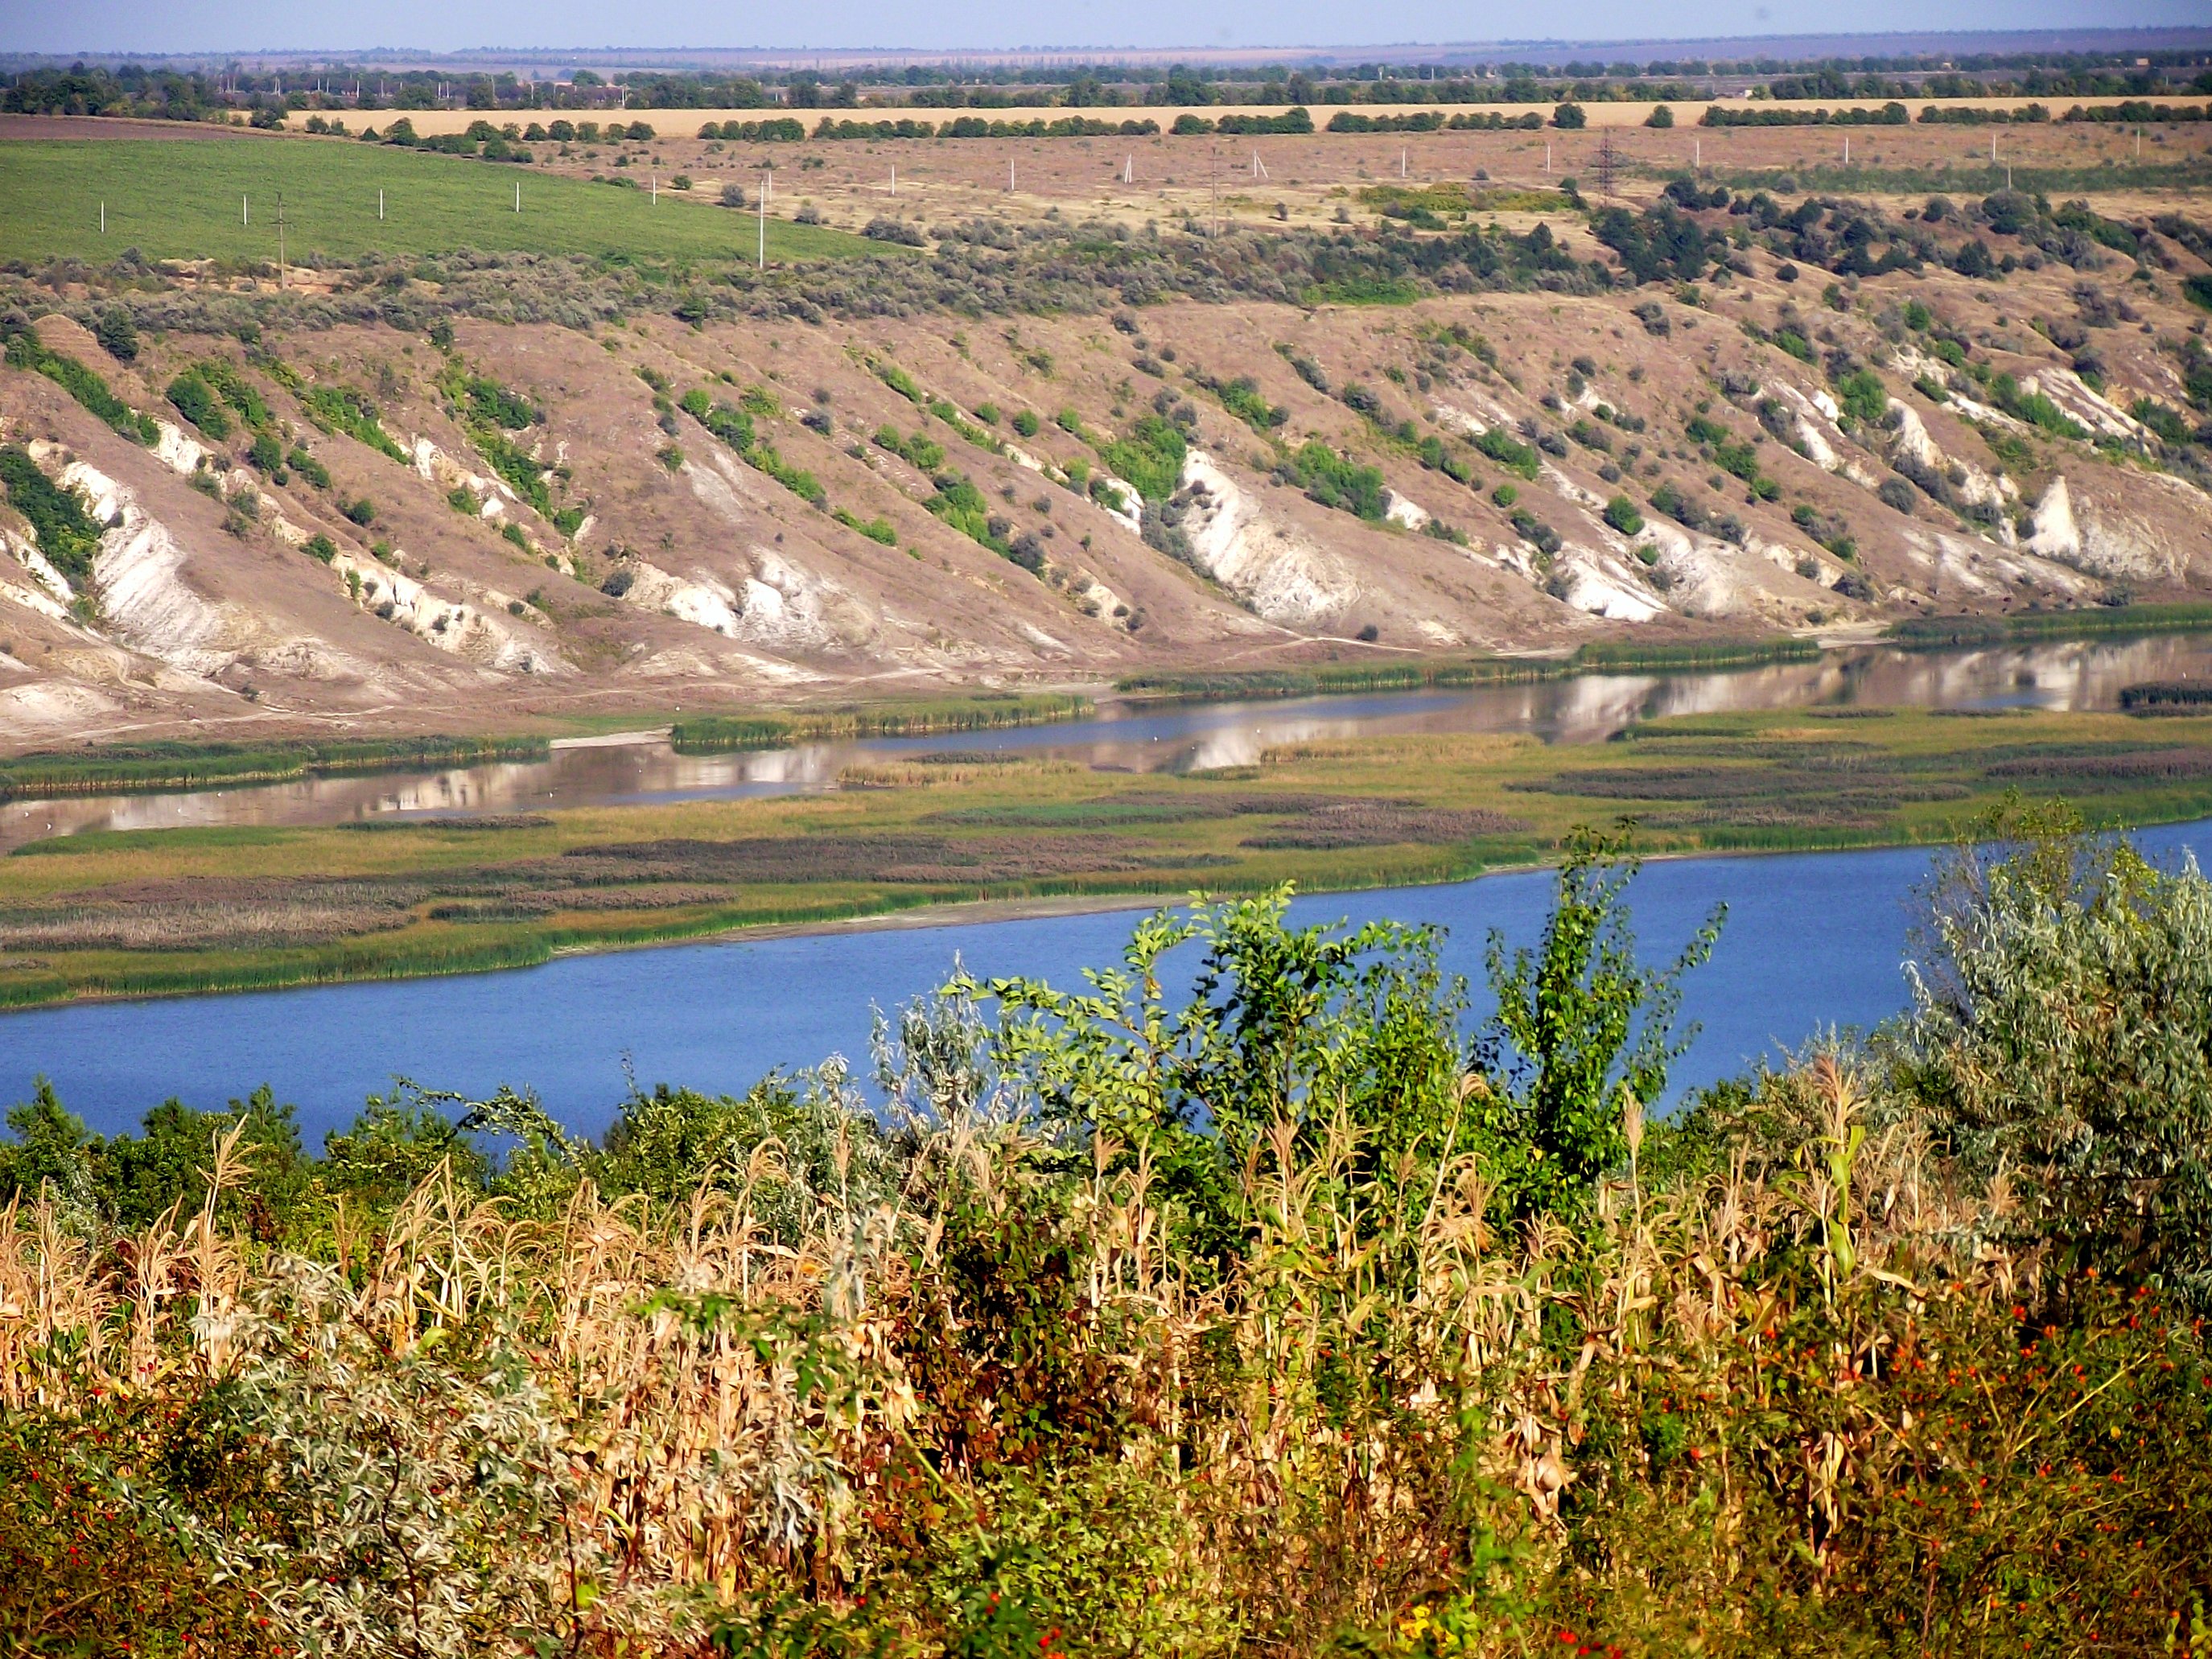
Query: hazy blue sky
447,25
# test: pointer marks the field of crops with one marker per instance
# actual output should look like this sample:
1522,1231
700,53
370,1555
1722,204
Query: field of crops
218,200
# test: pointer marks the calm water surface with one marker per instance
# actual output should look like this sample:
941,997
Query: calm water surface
1586,709
1811,939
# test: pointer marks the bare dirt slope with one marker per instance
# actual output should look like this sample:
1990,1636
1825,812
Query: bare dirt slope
558,530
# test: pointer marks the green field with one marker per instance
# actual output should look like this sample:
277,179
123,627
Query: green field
180,200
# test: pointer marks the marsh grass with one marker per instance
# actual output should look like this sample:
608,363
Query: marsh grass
147,767
1333,679
1627,654
714,733
1938,632
440,896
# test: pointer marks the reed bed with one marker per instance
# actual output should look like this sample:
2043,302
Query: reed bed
165,911
716,733
147,767
620,1426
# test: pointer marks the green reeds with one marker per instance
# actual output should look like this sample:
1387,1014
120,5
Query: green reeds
1930,632
155,766
710,733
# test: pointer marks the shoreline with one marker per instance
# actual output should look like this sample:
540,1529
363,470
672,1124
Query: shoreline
956,913
1191,689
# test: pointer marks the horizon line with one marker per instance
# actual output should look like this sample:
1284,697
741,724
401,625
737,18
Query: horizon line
1500,43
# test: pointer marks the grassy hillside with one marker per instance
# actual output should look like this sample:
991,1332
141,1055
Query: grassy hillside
180,201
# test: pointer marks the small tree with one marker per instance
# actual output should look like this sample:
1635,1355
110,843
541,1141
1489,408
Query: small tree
117,334
1660,116
1568,118
1583,1034
1285,1031
2061,1040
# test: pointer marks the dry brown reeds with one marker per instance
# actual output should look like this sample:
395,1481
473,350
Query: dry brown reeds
619,1424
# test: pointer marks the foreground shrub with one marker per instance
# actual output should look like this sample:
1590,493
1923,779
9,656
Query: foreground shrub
1213,1308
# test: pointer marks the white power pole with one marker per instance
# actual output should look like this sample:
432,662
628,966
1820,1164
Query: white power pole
1847,149
243,217
103,218
764,223
517,196
379,205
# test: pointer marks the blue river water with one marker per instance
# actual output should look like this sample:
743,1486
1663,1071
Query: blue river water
1811,940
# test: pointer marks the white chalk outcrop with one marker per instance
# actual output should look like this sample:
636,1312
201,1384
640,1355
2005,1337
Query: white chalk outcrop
1282,574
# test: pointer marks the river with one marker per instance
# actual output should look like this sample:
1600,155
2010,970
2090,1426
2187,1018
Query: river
1811,939
1587,708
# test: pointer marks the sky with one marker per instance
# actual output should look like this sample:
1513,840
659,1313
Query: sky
192,26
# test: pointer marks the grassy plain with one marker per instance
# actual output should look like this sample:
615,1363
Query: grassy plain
181,201
168,911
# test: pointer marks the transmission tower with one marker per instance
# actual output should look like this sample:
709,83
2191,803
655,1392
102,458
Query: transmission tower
1607,166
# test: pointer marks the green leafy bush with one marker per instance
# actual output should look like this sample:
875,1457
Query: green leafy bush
1336,480
341,409
1502,448
191,397
1151,457
24,351
61,523
1863,396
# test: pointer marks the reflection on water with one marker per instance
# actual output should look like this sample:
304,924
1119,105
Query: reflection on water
2065,675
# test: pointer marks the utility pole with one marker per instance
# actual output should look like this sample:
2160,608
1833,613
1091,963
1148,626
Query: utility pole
280,241
379,204
517,196
243,217
764,223
103,218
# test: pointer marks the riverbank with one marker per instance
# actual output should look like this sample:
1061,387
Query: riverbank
172,912
167,766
